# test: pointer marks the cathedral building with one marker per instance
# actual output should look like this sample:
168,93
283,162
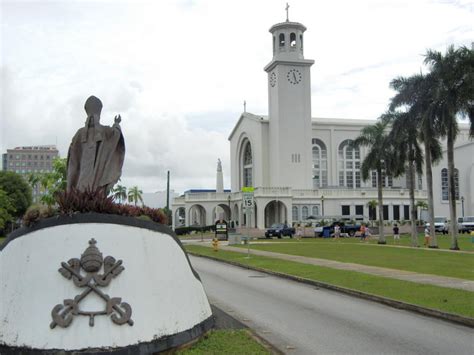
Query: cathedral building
302,167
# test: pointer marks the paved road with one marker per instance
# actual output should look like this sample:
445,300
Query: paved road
302,319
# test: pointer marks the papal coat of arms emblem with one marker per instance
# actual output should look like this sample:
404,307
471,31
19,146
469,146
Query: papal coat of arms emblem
91,263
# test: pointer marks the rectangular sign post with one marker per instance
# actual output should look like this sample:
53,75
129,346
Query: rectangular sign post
247,205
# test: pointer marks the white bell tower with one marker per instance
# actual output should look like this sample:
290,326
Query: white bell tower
289,102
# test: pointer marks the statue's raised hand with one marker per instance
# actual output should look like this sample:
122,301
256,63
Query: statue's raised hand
118,119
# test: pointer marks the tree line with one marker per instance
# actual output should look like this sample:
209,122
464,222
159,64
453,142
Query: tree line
405,139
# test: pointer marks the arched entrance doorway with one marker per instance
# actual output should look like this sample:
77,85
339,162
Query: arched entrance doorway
197,216
221,211
180,217
275,212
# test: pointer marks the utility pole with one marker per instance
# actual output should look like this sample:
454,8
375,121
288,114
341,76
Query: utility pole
168,192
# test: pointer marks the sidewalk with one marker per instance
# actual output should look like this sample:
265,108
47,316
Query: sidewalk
435,280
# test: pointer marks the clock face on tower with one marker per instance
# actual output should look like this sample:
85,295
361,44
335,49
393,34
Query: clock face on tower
294,76
273,79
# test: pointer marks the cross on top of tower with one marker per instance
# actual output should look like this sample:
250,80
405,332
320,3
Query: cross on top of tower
286,8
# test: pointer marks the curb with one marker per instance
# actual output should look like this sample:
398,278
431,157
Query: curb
454,318
224,320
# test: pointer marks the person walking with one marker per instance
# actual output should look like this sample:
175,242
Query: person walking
363,232
427,236
337,232
299,232
396,234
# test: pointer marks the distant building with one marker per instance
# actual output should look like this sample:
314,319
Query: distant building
30,159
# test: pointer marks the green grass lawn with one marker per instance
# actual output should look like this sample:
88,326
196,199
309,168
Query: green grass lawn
427,261
441,298
197,235
226,342
465,241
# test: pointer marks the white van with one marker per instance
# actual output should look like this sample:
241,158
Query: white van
440,224
466,224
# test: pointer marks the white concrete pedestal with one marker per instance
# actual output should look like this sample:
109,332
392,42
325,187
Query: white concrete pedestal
168,302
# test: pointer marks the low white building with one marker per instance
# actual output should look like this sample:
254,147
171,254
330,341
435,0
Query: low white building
302,166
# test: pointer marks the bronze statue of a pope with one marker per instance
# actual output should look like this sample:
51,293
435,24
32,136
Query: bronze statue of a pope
96,154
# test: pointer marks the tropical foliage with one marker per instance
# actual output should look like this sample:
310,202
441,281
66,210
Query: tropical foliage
17,190
424,110
6,210
451,96
377,159
50,183
135,195
75,201
120,193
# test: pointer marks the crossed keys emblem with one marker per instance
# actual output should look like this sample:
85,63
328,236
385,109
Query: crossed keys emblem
91,262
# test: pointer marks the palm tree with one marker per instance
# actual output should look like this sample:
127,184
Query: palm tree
372,204
422,205
452,95
135,195
34,179
415,93
120,193
375,137
407,156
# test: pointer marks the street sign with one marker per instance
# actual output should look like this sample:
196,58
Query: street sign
247,201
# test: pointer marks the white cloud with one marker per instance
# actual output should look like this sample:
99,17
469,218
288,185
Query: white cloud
178,71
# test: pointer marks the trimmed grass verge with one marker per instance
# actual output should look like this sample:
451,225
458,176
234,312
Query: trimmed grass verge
226,342
465,241
435,262
440,298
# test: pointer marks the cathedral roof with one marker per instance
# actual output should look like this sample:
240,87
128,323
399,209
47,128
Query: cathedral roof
250,116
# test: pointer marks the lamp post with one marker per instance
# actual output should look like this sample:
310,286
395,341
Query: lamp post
322,205
462,205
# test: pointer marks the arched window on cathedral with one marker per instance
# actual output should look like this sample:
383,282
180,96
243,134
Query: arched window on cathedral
320,164
294,213
348,164
420,182
292,40
301,42
304,213
247,165
315,211
387,180
444,184
282,40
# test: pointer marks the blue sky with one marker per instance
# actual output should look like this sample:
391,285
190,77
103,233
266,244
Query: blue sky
179,71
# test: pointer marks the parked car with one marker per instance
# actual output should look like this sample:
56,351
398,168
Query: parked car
465,225
279,230
440,224
347,228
